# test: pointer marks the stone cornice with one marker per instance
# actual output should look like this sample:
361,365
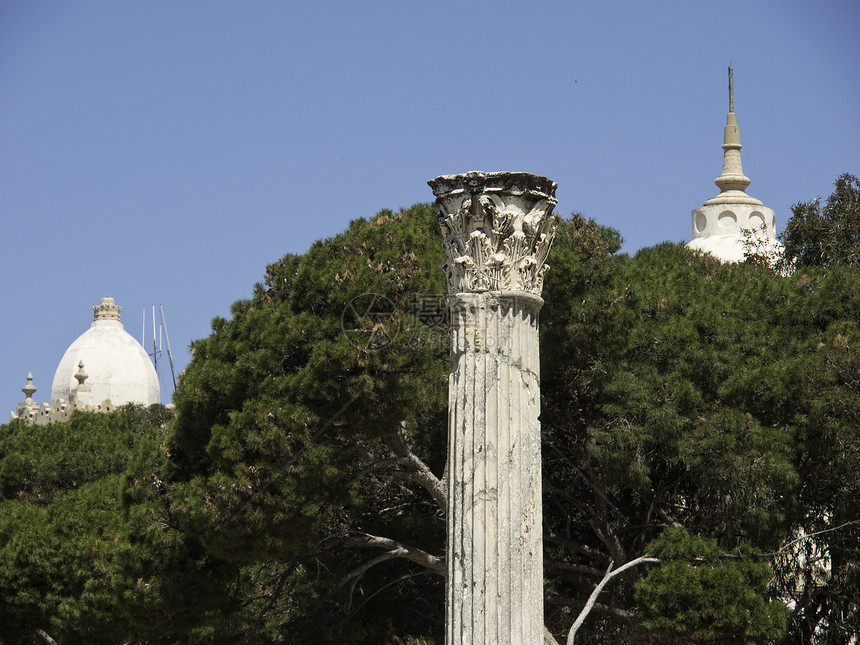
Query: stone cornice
498,230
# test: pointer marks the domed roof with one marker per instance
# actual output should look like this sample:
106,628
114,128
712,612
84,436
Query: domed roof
732,248
115,367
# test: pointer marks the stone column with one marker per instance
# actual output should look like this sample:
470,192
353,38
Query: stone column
498,230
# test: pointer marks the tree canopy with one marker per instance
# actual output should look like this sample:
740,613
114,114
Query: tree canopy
699,419
87,550
823,236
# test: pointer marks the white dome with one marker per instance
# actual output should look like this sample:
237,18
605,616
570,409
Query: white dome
726,248
117,368
731,248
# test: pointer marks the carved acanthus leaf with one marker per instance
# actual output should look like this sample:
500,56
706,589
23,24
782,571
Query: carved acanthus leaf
498,229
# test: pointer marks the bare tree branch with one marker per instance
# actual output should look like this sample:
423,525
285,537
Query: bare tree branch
607,577
43,636
670,520
576,546
548,638
608,541
567,566
381,464
588,480
599,608
360,571
807,536
419,472
405,576
395,550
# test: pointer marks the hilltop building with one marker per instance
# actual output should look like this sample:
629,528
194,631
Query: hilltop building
724,222
103,369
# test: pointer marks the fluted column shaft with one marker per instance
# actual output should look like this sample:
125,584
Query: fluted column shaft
498,230
495,548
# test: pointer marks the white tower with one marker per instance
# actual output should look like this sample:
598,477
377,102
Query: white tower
720,226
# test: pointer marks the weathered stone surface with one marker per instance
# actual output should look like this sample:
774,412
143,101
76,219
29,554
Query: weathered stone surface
498,231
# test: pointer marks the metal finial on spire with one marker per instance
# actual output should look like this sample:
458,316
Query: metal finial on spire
731,89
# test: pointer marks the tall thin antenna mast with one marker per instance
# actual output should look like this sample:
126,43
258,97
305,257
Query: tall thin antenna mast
169,353
154,340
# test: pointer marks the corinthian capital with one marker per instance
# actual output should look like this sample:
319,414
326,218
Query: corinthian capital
498,230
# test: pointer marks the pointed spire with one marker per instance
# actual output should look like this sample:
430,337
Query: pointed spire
732,182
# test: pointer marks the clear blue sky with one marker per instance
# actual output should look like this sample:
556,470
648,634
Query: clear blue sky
134,137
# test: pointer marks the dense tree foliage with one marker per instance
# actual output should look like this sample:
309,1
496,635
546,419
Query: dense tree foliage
700,595
700,414
87,551
823,236
721,399
298,422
